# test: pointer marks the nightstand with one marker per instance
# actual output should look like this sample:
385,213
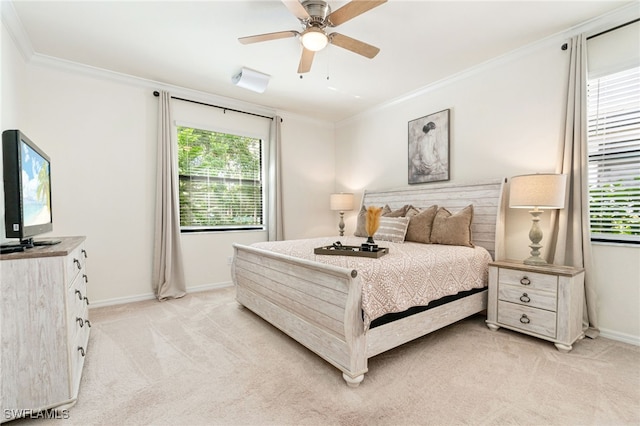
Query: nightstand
542,301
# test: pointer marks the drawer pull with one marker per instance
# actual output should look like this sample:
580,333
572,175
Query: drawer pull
86,300
88,323
84,252
81,350
84,277
525,298
79,294
525,281
77,262
80,321
525,319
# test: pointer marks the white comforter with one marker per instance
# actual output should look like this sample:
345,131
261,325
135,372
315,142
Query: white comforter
411,274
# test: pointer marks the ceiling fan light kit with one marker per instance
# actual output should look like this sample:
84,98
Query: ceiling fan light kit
315,16
251,80
314,39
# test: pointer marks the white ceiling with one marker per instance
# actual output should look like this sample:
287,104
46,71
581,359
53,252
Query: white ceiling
193,44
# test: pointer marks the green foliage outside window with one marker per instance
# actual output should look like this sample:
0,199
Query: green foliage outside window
220,180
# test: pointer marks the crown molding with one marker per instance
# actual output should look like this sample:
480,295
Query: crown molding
15,29
595,25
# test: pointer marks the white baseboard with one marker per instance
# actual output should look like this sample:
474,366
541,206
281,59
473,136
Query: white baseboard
620,337
149,296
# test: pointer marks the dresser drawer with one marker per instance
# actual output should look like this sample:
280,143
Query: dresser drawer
528,297
532,280
75,263
528,319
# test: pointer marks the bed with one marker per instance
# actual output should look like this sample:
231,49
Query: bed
318,300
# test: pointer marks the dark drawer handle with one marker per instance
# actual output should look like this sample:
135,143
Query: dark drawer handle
81,349
86,279
525,281
88,323
525,319
525,298
86,300
80,321
77,262
79,294
84,252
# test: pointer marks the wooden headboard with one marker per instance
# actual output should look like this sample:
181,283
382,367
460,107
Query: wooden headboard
487,198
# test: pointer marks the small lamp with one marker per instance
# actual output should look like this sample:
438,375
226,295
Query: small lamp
341,202
538,191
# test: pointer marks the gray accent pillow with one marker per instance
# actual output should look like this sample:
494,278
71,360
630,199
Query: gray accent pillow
420,225
453,229
392,229
395,213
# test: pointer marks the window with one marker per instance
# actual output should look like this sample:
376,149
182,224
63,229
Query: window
614,156
221,180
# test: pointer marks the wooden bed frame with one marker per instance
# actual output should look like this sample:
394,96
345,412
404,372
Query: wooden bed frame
319,305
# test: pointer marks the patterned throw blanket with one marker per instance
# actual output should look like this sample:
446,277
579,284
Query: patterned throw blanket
411,274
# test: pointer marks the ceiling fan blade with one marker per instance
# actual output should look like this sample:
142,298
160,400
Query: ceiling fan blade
297,9
356,46
267,37
305,61
351,10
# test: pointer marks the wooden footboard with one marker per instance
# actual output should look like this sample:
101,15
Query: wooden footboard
317,305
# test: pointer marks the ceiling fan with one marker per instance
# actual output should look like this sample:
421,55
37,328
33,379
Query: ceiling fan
316,16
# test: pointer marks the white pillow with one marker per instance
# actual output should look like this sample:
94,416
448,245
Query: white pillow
392,229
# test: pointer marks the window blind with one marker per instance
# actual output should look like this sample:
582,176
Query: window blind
614,156
220,176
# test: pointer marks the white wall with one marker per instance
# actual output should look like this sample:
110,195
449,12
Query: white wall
100,134
11,86
507,118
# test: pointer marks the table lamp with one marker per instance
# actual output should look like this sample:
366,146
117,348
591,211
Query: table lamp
537,191
341,202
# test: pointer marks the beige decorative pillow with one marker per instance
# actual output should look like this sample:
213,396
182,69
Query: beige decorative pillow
453,229
411,211
420,225
361,222
392,229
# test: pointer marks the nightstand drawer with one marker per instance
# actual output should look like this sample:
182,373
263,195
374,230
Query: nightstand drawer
528,297
532,320
527,279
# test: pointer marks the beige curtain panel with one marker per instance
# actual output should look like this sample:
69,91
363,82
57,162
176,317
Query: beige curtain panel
275,225
570,226
168,269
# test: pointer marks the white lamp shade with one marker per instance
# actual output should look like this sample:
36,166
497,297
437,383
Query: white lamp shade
542,190
342,201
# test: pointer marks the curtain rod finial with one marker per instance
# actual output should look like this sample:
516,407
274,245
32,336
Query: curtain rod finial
565,46
156,93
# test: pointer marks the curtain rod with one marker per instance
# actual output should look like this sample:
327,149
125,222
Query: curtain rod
565,45
613,29
225,109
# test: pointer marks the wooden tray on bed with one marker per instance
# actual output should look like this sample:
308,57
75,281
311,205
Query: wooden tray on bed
351,251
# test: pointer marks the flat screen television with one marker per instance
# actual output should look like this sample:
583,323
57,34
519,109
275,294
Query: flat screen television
27,189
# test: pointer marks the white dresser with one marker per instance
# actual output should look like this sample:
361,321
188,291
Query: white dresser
45,327
542,301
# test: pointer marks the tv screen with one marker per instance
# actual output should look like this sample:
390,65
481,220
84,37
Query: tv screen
27,188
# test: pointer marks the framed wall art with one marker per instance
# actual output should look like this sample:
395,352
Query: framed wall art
429,148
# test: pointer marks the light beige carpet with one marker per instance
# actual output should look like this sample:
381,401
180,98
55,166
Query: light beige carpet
204,359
